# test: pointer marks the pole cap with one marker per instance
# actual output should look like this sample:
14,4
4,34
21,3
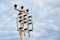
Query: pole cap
22,7
15,5
27,10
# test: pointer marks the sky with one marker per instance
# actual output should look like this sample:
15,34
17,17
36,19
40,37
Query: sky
46,19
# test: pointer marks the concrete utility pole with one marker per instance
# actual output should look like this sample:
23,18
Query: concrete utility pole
22,19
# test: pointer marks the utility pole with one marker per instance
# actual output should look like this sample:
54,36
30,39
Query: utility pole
22,19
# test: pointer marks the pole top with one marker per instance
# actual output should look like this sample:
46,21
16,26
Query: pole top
15,6
22,7
27,10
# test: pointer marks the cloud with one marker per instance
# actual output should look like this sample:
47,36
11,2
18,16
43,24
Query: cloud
43,11
8,35
44,31
3,7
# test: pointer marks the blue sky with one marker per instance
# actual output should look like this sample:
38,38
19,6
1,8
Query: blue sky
46,19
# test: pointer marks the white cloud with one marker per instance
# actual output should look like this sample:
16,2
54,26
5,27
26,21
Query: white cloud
42,10
3,7
49,26
1,25
35,34
41,29
47,21
0,31
54,27
51,21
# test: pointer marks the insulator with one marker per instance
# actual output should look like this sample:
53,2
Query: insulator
26,29
25,15
15,5
20,20
24,18
27,10
29,20
29,16
25,21
30,30
22,7
20,17
21,28
29,23
19,13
